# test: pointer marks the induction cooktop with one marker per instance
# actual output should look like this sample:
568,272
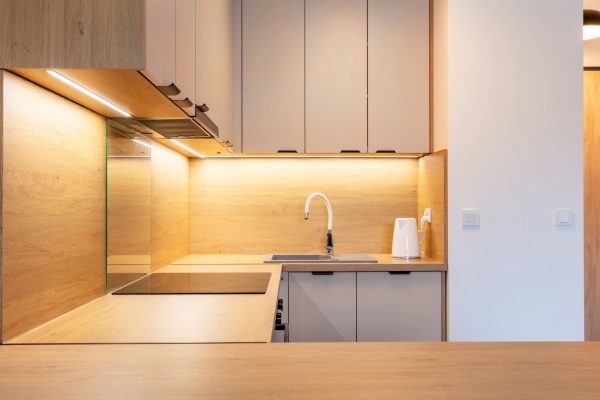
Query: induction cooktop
200,283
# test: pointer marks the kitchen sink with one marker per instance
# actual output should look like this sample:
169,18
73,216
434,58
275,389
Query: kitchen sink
318,258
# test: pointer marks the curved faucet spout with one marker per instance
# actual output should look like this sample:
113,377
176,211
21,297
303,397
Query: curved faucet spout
329,217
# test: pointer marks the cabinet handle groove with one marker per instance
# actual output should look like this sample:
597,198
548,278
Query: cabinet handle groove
185,103
169,90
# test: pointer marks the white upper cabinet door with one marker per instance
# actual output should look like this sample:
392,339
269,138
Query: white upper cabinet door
336,76
185,51
272,76
399,76
160,42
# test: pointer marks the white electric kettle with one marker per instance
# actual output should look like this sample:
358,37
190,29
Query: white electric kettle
406,239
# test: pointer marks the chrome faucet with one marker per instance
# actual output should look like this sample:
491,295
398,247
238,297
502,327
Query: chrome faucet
329,217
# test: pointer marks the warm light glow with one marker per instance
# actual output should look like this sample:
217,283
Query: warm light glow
591,32
183,146
85,91
142,143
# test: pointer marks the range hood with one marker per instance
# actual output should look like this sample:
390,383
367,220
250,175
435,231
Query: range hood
198,127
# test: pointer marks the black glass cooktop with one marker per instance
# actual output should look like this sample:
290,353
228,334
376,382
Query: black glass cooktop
200,283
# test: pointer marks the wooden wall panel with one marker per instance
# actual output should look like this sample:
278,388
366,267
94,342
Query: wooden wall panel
592,203
433,194
170,206
256,206
72,34
129,186
53,205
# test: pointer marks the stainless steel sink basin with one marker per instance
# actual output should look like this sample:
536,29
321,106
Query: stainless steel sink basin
318,258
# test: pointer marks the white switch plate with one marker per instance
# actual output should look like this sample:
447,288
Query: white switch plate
563,217
470,217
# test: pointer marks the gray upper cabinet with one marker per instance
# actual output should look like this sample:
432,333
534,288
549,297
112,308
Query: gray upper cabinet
336,76
322,308
272,76
402,307
399,76
185,51
171,46
160,42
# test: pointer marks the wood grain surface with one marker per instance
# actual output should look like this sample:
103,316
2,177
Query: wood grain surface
385,262
214,318
53,205
170,206
126,88
433,371
256,206
592,203
129,207
72,34
432,193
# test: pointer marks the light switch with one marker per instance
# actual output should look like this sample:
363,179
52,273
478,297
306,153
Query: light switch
563,217
470,217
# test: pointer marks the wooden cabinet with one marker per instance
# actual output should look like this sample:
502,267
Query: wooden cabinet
322,307
171,47
398,76
399,307
273,76
336,76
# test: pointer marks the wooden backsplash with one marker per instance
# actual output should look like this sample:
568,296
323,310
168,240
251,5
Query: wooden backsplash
53,205
256,206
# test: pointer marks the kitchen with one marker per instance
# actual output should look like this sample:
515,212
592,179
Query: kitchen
246,172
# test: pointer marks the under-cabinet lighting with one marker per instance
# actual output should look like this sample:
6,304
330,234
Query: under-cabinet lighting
85,91
142,143
183,146
304,156
591,24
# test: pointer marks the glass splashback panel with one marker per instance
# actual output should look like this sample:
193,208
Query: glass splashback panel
128,207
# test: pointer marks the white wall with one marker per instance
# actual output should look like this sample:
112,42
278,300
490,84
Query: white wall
515,140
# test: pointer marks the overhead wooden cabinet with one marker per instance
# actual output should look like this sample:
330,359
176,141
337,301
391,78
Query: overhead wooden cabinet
273,76
336,76
322,307
398,76
399,307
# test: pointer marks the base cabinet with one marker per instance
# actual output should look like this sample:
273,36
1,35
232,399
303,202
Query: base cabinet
322,307
399,307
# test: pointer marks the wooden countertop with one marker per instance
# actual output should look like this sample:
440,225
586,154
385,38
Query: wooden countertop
385,262
221,318
448,371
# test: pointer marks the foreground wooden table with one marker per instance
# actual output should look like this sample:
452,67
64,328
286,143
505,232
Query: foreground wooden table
302,371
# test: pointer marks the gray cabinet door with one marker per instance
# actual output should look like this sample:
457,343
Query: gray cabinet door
336,76
273,76
322,307
399,76
185,51
402,307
